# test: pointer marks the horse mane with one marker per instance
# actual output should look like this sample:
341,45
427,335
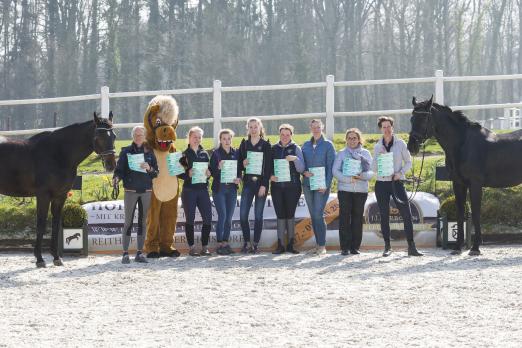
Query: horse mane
59,132
458,116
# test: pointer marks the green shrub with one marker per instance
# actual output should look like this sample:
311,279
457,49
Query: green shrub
73,216
449,208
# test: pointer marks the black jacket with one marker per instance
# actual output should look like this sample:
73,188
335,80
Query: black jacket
220,154
188,158
261,146
132,180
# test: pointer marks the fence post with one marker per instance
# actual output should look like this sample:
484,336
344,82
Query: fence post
439,87
217,110
330,106
105,102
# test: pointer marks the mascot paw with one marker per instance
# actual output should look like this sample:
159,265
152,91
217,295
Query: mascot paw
153,255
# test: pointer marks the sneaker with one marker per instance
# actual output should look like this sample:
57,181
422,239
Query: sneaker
228,249
125,259
321,250
246,249
344,252
354,252
254,249
193,252
140,258
221,250
205,251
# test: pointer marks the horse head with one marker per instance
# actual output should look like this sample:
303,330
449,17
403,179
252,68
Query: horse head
421,124
103,141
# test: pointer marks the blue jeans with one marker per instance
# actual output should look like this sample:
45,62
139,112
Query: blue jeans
250,190
225,199
316,201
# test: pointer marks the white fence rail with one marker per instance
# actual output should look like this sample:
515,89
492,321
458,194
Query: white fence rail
329,114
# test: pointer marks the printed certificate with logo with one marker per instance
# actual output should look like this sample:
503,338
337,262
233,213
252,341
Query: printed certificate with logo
135,162
352,167
199,172
255,163
282,170
385,164
228,171
175,168
318,180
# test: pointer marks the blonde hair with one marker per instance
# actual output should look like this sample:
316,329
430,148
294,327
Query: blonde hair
226,131
195,129
356,131
261,130
286,126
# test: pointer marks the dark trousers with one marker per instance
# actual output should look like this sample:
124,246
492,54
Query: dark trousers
285,199
192,199
383,192
249,194
351,210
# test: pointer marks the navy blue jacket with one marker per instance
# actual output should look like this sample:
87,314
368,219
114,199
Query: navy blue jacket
296,167
261,146
188,158
133,180
220,154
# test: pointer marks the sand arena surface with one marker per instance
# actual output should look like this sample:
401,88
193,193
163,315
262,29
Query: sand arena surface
266,300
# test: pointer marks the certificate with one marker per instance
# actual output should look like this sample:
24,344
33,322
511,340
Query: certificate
282,170
175,168
351,167
385,164
228,171
255,163
135,162
318,180
199,172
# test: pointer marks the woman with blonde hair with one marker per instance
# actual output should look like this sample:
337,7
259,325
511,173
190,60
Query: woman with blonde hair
352,170
254,162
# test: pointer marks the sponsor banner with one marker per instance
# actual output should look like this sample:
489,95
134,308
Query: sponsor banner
106,219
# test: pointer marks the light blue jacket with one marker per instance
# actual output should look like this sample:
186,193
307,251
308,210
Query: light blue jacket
344,183
322,156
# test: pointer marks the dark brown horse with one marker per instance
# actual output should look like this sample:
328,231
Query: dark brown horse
45,166
475,158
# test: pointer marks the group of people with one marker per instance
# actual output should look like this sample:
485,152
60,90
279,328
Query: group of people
353,167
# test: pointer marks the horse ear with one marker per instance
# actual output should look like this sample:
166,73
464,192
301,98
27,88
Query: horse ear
414,101
430,102
110,115
96,118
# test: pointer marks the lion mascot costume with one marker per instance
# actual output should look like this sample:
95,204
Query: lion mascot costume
161,120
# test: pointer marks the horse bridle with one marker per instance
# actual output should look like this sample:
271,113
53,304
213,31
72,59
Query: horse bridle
106,152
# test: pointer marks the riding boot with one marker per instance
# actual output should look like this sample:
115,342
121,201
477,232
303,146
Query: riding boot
412,250
387,248
290,246
280,248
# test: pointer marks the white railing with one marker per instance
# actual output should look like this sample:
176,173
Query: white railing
330,114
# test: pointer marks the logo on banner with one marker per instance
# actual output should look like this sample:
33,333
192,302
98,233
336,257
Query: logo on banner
373,215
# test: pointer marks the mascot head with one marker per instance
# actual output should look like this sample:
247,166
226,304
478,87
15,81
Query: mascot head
161,121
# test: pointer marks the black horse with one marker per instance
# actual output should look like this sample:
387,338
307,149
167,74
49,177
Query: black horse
475,158
45,166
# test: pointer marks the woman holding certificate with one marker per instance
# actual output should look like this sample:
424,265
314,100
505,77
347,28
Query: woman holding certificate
224,170
195,190
286,186
352,170
255,162
319,156
137,166
391,161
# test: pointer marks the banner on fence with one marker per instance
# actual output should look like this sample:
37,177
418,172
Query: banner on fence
105,224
